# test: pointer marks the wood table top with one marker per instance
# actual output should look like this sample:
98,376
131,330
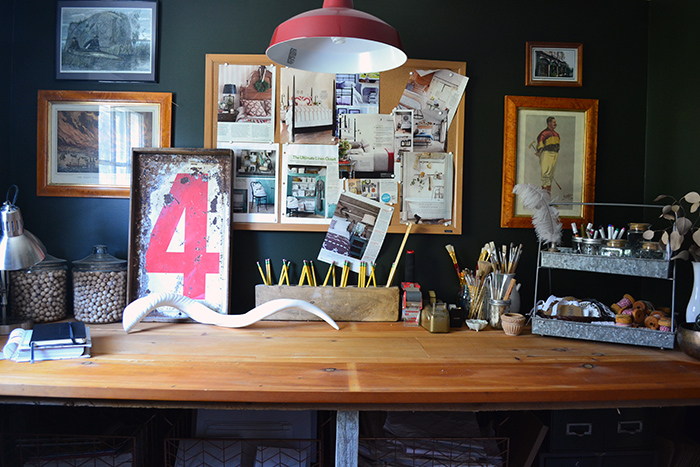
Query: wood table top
363,365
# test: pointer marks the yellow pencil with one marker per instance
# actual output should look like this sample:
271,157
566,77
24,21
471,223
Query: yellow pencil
304,274
269,271
346,272
333,274
262,274
328,275
313,272
284,271
372,277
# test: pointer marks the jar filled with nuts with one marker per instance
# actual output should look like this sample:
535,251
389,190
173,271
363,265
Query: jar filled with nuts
99,287
39,293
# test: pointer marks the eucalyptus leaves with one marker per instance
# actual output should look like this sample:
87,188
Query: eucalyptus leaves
682,226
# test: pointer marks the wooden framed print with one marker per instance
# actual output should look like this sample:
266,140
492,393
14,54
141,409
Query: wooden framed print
554,64
550,142
85,138
180,226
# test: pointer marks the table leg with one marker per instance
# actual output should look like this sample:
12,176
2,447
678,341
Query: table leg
347,438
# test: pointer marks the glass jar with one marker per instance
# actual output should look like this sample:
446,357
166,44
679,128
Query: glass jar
590,246
635,237
39,293
576,244
99,287
617,248
652,250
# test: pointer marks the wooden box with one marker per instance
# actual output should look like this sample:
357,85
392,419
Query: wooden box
340,303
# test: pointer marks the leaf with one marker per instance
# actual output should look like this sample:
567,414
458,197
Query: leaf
648,234
668,217
694,207
692,197
660,197
666,209
675,208
682,255
664,238
696,237
694,252
683,225
676,240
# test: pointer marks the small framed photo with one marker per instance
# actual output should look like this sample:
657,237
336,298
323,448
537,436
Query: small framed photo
180,227
553,64
106,40
85,138
550,142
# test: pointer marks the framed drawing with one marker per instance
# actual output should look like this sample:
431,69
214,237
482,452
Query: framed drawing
85,138
180,221
106,40
550,142
553,64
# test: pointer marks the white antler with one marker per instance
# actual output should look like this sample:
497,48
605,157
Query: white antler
138,309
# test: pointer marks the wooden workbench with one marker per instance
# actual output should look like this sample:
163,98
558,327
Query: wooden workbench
295,365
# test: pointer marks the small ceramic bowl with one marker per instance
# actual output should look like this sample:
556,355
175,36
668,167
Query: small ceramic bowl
512,323
689,340
476,324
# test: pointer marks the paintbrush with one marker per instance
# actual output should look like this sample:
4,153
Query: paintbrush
451,250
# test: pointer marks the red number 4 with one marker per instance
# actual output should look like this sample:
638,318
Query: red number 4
188,195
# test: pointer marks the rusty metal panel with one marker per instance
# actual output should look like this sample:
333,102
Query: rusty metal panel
180,229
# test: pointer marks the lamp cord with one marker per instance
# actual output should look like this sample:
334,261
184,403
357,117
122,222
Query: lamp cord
14,198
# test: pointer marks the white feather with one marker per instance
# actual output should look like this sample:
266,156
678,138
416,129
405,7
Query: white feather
545,218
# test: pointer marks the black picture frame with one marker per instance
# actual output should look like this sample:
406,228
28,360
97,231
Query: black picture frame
107,40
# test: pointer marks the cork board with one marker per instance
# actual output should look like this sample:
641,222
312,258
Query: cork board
391,85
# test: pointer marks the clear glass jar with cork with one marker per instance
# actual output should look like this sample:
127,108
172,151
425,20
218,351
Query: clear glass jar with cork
99,287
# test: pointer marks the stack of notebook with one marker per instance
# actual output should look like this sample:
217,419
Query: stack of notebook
50,341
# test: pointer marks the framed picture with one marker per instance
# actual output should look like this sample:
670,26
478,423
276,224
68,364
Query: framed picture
106,40
550,142
180,226
85,138
553,64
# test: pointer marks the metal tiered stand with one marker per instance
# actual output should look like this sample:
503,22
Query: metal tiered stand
567,259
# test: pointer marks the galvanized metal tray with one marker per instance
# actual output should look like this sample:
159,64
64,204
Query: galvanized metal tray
603,333
565,258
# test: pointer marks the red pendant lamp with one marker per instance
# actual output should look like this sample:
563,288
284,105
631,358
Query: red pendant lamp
336,39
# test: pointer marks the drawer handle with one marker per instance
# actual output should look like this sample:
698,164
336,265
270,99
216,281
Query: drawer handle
579,429
630,427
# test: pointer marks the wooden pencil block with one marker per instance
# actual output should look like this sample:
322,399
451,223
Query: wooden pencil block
340,303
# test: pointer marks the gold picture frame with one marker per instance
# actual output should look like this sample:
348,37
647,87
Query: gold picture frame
554,64
85,139
573,181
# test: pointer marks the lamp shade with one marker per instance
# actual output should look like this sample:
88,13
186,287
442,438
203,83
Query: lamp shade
19,249
336,39
229,89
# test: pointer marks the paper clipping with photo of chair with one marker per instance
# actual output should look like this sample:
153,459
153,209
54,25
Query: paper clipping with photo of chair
255,181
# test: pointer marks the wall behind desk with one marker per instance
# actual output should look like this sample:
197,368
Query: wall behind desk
489,36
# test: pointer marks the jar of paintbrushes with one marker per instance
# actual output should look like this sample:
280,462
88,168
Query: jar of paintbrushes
500,282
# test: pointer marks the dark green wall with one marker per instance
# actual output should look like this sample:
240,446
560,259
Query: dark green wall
673,139
489,36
